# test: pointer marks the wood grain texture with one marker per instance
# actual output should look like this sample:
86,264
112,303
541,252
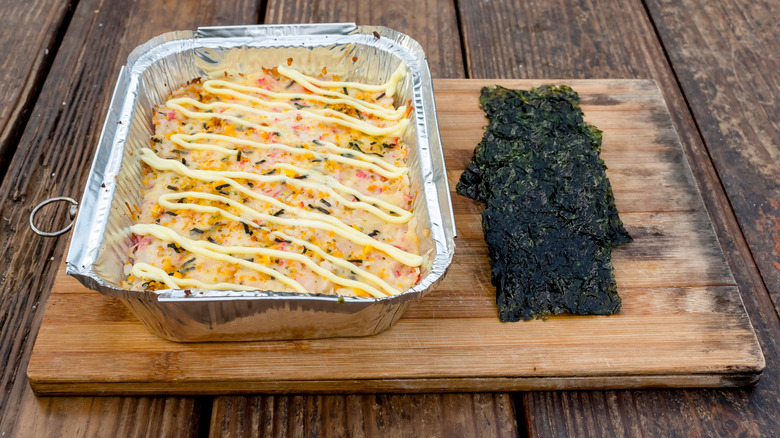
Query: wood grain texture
605,38
683,320
53,158
432,23
417,415
731,80
29,41
107,416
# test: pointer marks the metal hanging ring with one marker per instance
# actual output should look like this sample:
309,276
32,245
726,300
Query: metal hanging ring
71,213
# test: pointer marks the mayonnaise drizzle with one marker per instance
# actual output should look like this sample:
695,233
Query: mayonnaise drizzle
220,252
212,86
340,262
397,171
355,124
326,185
399,216
241,111
149,272
323,114
176,105
210,250
314,84
307,219
366,161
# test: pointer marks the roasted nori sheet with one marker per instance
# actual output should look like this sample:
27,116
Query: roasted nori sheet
550,219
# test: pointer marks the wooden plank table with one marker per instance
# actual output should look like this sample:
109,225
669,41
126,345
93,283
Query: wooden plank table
29,47
682,323
714,62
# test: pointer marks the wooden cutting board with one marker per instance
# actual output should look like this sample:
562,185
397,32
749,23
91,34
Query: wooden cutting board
683,323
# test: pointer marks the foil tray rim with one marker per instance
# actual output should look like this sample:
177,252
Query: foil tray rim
113,137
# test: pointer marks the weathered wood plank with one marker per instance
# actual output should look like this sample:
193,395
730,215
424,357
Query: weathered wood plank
683,318
53,159
29,40
429,415
606,38
110,416
442,48
731,82
432,23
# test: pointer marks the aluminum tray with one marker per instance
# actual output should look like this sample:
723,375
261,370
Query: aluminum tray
101,237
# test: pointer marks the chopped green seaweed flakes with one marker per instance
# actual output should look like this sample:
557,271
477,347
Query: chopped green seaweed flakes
550,220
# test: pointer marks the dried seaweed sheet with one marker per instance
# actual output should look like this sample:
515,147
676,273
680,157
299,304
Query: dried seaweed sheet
550,220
